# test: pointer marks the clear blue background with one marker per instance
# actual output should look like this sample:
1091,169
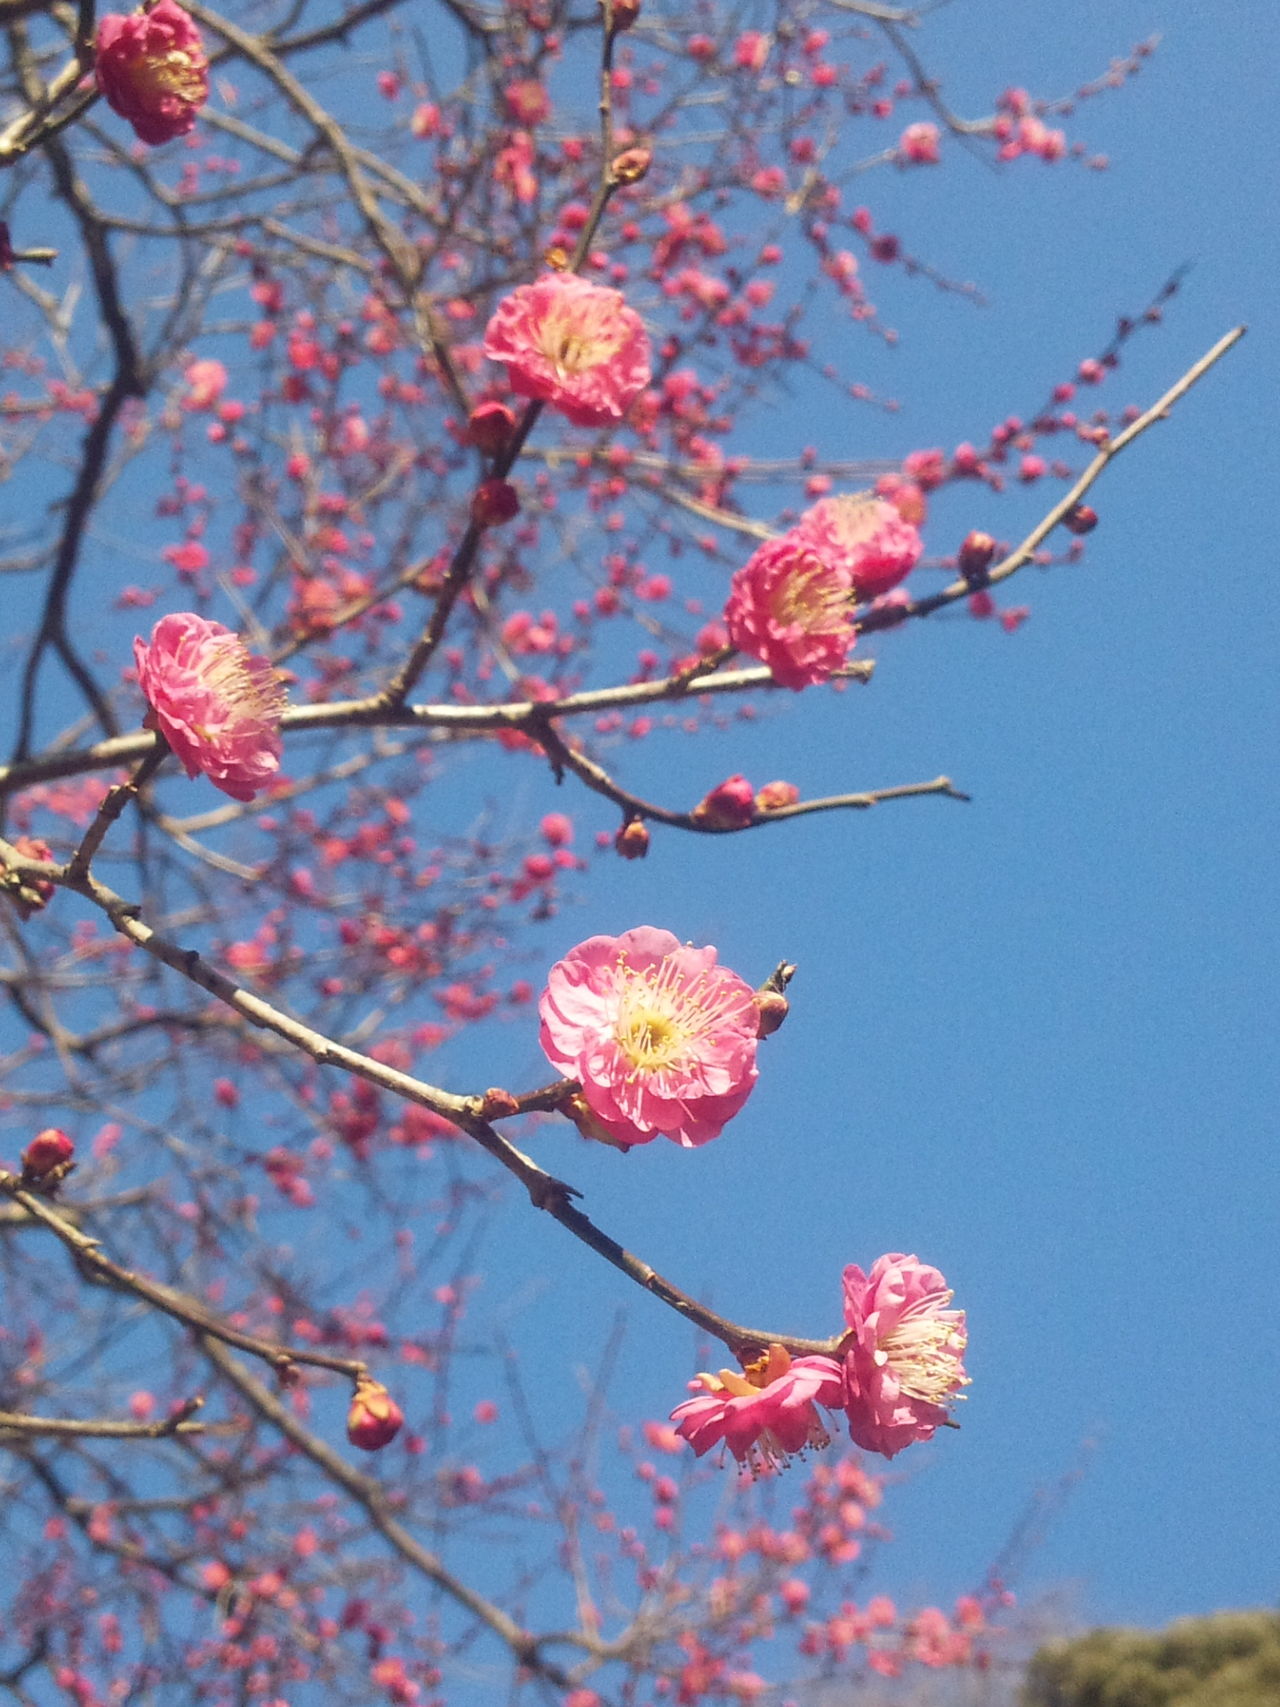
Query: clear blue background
1033,1038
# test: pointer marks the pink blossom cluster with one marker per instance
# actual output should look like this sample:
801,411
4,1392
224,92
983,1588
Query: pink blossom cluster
152,68
216,705
791,604
661,1039
899,1368
572,344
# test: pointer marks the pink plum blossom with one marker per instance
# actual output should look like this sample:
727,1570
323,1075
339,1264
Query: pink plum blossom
661,1039
902,1355
791,606
918,145
865,536
766,1415
216,705
572,344
152,69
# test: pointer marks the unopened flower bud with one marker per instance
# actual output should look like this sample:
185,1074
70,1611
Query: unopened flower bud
730,806
490,426
374,1419
775,795
631,165
975,557
556,258
1080,519
48,1150
632,840
498,1105
493,503
29,894
772,1007
625,13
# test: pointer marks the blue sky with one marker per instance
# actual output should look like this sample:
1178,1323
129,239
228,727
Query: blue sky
1033,1038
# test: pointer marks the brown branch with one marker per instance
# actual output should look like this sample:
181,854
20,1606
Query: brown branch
563,758
373,1500
1017,559
108,1428
467,1113
88,1254
374,713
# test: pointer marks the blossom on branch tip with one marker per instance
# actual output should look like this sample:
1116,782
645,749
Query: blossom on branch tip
866,536
791,606
767,1414
661,1039
574,345
216,705
902,1355
152,69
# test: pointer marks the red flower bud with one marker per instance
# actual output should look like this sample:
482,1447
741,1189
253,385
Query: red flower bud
1080,519
625,13
374,1419
498,1105
494,502
632,840
975,556
490,426
631,165
48,1150
730,806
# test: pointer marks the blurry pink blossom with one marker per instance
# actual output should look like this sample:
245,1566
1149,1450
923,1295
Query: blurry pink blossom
206,381
575,345
918,145
216,705
152,69
790,606
661,1038
902,1358
865,536
766,1415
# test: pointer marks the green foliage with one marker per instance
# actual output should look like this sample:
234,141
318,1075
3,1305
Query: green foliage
1229,1660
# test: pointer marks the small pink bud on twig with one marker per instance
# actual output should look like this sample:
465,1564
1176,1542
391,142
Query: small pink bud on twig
498,1105
731,805
490,426
374,1419
975,557
47,1152
632,840
1080,519
493,503
631,165
775,795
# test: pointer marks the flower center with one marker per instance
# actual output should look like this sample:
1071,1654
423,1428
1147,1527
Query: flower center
662,1015
924,1351
579,337
157,75
812,600
241,691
